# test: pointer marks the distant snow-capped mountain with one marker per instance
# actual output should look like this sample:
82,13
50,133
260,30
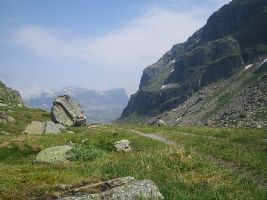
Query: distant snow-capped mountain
100,106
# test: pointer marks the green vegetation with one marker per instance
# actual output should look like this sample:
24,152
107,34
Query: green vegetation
23,116
242,148
83,152
188,171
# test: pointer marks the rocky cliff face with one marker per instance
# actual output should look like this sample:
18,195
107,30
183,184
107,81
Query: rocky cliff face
232,37
9,96
239,101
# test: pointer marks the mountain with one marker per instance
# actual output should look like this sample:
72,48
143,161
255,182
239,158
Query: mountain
100,107
233,37
9,96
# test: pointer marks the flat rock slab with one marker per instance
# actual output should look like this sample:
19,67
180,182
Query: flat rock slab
35,128
57,154
127,188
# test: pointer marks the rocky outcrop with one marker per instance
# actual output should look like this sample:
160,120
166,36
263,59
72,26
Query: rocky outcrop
127,188
67,112
221,48
54,155
240,101
9,96
123,145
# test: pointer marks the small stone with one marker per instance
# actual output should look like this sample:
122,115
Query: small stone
4,133
11,120
3,121
161,123
84,140
123,145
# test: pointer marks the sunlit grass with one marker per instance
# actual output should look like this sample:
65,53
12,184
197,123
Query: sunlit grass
183,172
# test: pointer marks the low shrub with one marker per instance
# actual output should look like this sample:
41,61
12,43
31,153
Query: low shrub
83,152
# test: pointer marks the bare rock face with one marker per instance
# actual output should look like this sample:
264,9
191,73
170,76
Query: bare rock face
67,112
127,188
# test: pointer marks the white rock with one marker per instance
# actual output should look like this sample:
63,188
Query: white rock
123,145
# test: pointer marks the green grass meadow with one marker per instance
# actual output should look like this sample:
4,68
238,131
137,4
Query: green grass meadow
189,171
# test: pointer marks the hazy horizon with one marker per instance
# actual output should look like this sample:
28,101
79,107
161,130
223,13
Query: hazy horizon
98,45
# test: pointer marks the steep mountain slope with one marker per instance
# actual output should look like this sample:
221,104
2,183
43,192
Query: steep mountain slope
9,96
239,101
233,37
99,106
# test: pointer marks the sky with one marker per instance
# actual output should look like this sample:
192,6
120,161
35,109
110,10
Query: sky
94,44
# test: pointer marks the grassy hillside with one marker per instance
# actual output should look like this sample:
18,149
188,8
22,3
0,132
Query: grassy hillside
205,163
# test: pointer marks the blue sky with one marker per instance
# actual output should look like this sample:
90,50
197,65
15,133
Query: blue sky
95,44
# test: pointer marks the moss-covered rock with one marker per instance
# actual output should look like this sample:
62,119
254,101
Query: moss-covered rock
57,154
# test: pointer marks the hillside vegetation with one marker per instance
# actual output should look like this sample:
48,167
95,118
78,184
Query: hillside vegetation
194,167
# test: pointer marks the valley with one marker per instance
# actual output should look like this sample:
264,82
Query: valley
191,166
196,128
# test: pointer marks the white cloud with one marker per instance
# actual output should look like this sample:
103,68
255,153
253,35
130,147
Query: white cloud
30,91
137,44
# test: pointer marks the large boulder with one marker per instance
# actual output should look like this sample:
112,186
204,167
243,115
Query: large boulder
56,154
127,188
67,112
35,128
52,127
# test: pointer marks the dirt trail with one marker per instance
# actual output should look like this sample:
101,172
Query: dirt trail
233,167
155,137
